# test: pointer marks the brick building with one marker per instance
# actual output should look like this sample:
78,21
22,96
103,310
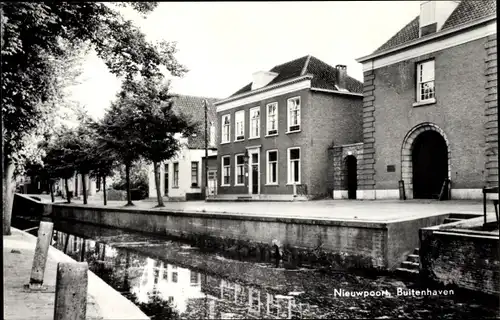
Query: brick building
279,127
430,105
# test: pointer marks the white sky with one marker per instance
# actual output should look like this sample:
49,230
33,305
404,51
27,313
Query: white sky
223,43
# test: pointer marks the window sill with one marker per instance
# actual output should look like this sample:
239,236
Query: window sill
424,103
254,138
240,140
225,185
272,185
271,135
227,142
291,184
295,131
239,185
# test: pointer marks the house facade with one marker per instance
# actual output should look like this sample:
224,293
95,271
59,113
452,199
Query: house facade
181,177
274,133
430,119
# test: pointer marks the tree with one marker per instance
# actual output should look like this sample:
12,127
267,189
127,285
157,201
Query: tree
157,124
33,38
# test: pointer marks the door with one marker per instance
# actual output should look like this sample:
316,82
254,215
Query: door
166,180
352,176
212,183
254,170
430,165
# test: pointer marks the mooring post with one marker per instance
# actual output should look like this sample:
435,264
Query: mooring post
41,250
71,291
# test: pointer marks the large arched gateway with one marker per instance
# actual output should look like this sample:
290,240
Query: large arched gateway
425,161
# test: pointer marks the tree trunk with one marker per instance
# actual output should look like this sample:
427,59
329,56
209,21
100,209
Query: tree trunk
8,196
104,195
127,178
157,184
51,186
66,183
84,187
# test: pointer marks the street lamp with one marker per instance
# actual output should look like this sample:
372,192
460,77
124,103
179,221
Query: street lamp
245,157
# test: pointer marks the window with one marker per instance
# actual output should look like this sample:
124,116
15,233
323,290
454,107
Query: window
255,122
272,118
194,278
174,277
240,169
425,81
194,174
226,170
240,125
294,114
226,128
427,13
272,167
294,166
176,175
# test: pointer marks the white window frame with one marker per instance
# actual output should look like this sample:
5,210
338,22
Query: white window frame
427,13
289,167
268,122
268,171
252,120
428,79
223,128
175,182
241,114
223,171
289,118
236,166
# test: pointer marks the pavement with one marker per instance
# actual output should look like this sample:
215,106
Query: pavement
345,210
103,302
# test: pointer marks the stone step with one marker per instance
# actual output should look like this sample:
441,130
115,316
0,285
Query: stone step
407,272
410,265
450,220
413,258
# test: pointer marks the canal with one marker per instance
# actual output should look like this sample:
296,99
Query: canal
172,280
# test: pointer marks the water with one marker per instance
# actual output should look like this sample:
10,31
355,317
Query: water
172,280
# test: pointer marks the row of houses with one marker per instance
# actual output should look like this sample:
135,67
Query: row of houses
422,124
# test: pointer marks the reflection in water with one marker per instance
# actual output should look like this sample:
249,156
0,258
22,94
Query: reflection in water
171,280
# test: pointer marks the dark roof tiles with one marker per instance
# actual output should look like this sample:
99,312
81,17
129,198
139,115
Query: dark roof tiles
466,11
324,75
192,107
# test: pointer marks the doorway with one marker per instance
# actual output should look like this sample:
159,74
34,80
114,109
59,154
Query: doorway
166,180
430,165
254,172
352,176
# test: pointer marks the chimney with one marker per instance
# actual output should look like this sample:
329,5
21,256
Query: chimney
262,79
341,76
433,15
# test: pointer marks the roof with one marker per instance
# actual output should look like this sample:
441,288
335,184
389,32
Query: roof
192,107
324,75
466,11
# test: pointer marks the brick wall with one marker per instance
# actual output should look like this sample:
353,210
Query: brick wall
458,112
367,166
491,112
336,120
468,261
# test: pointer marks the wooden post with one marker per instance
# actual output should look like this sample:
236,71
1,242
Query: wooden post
71,291
83,246
41,251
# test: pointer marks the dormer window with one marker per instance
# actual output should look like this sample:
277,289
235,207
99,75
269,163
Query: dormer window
425,81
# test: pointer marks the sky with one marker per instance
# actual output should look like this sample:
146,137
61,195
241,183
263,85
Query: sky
223,43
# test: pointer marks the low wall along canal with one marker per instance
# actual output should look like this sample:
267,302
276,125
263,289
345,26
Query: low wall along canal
339,243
